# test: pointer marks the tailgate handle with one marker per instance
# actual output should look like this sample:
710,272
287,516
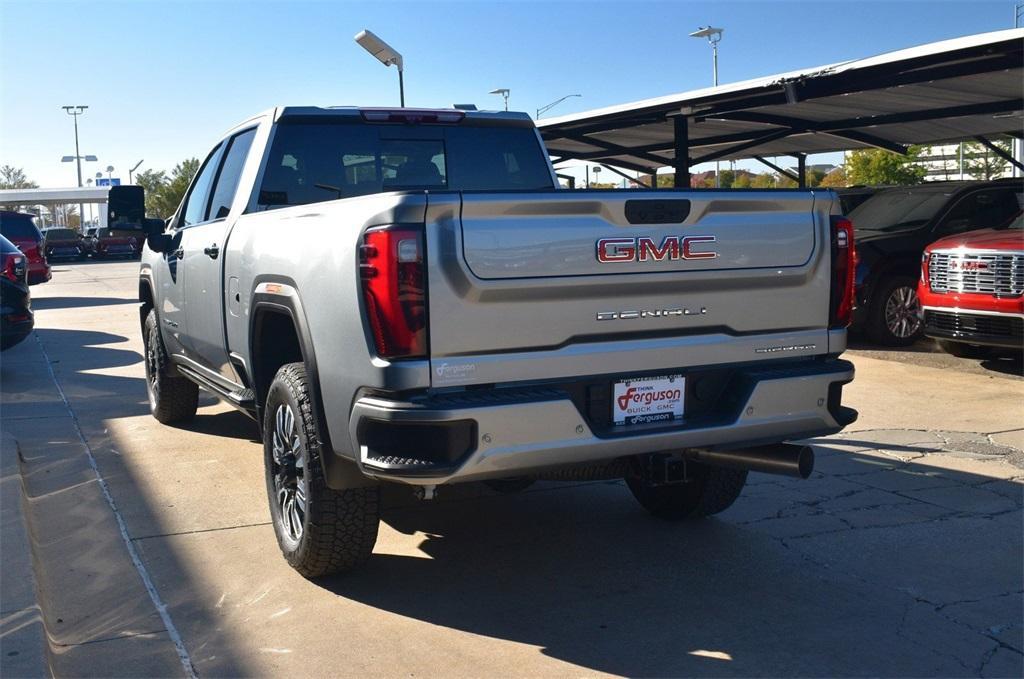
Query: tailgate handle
665,211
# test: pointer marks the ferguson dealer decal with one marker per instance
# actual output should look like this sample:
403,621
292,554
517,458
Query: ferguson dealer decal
646,400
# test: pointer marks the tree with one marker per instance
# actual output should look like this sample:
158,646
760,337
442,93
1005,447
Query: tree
14,178
742,181
877,167
981,163
836,179
764,180
153,182
167,198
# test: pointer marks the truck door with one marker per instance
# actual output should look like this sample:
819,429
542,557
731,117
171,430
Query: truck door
204,244
170,274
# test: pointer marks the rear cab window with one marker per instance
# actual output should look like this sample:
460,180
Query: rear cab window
316,161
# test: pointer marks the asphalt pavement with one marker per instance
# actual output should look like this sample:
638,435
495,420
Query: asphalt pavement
131,548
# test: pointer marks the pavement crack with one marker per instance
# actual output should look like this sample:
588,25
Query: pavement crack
199,530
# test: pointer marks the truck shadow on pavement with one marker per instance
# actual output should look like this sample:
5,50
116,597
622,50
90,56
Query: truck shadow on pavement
798,578
48,303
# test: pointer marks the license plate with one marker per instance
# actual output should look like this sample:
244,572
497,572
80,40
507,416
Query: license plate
648,399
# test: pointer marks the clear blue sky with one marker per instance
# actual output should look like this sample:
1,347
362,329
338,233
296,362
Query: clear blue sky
164,79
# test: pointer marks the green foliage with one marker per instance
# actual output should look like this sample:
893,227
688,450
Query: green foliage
981,163
876,167
163,193
742,181
835,179
14,178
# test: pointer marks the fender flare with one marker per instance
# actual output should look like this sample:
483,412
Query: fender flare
279,294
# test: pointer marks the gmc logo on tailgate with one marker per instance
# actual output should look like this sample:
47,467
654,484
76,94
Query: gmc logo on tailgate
672,248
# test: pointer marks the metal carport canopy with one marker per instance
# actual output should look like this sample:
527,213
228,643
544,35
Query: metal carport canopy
940,92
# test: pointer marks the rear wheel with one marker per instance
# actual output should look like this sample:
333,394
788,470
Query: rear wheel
964,350
706,491
172,398
320,530
894,315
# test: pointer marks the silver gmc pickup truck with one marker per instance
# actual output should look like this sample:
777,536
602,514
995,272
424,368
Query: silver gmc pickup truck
407,296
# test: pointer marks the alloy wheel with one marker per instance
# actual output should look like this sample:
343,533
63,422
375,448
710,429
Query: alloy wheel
291,486
901,312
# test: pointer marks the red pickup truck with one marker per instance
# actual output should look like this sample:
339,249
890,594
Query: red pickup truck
972,290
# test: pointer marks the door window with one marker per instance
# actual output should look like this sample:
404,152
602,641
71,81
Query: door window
230,172
981,210
194,210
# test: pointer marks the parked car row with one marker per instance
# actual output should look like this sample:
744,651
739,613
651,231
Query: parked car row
99,243
893,228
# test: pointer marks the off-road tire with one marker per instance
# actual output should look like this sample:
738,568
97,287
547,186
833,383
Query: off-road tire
707,491
964,350
339,527
172,398
877,328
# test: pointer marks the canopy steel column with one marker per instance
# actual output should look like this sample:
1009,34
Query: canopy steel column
681,164
801,170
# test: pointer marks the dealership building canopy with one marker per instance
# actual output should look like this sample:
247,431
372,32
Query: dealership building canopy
966,88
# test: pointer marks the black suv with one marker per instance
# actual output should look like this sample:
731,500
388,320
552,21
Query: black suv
894,226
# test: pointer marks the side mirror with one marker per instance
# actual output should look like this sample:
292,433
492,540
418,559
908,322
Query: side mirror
126,208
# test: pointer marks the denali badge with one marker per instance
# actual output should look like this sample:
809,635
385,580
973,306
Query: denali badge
610,250
648,313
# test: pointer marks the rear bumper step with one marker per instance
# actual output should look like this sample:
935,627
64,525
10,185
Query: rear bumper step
515,432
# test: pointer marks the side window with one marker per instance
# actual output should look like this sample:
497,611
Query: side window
981,210
230,172
195,205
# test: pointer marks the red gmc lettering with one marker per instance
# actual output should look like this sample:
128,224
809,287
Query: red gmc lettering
616,249
647,249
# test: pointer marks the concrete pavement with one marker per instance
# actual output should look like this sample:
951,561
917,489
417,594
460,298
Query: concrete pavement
901,556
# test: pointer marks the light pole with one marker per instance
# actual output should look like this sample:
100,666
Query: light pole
110,174
714,36
132,171
503,91
545,109
76,111
597,175
385,54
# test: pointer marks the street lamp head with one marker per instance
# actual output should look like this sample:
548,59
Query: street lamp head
383,52
110,168
67,159
91,159
710,32
502,91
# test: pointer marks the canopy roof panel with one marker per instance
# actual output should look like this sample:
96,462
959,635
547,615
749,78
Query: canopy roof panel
941,92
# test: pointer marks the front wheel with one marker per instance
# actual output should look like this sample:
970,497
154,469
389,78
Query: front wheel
172,398
706,491
320,530
894,315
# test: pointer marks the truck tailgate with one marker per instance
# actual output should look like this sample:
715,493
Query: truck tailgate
555,284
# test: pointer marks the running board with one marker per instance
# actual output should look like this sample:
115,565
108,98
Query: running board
243,400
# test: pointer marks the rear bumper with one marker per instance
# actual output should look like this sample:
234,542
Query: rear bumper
984,328
516,431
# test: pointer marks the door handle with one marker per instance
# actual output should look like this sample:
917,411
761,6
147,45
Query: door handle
179,253
212,251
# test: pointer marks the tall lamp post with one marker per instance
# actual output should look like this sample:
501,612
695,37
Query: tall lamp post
714,36
76,111
545,109
503,91
385,54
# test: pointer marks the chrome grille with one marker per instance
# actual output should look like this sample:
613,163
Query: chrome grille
985,273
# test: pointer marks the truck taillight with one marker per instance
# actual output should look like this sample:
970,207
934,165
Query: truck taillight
393,275
844,266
